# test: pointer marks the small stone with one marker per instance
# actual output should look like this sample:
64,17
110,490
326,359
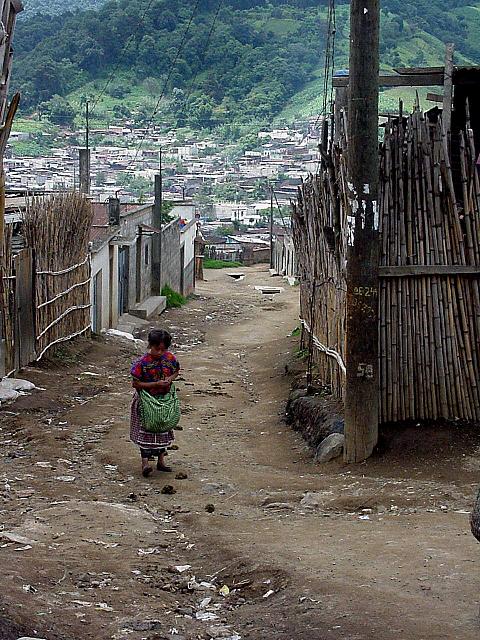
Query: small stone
210,508
181,476
168,490
330,448
311,500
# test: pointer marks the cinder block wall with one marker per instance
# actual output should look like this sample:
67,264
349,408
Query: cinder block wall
171,263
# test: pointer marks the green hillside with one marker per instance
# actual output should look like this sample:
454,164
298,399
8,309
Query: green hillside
53,7
230,64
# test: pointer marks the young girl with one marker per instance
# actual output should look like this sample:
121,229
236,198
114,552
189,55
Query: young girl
154,372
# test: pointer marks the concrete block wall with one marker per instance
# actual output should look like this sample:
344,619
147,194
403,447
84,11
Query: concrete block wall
171,258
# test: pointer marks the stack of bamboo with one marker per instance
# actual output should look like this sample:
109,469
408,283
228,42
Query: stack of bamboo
429,324
58,228
319,231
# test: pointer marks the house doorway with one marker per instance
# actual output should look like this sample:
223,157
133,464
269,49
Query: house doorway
123,269
97,303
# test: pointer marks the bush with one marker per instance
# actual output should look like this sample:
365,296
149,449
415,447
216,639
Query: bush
175,300
210,263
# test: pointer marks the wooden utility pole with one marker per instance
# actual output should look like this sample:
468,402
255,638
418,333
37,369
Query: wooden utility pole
272,265
362,395
448,90
341,100
84,156
157,238
84,171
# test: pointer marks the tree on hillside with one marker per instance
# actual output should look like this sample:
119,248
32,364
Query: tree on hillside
59,111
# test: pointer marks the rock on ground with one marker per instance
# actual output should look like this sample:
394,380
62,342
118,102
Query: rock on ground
330,448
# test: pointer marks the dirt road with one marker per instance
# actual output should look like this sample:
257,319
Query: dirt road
381,550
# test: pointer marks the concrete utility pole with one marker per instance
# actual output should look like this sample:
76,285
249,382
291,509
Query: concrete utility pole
361,401
157,238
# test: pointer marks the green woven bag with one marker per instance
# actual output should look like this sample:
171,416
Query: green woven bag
159,413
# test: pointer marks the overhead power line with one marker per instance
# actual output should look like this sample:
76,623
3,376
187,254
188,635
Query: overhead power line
166,83
122,53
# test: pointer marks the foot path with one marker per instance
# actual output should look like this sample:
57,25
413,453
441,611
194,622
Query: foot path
380,550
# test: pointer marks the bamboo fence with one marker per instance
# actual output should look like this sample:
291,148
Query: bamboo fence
57,228
6,299
319,231
429,302
429,324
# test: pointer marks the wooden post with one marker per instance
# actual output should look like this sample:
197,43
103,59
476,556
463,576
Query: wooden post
341,101
84,162
272,265
448,89
362,384
2,257
157,239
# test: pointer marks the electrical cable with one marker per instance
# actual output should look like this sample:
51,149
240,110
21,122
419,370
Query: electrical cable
122,53
165,85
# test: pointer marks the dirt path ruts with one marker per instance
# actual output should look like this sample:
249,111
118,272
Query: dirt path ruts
104,543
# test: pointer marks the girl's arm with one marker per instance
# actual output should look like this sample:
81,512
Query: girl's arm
173,377
161,384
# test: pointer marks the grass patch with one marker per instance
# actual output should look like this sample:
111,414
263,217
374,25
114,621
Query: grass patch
175,300
209,263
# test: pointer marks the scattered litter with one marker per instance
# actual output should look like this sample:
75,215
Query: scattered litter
90,373
111,467
25,548
44,465
205,602
205,616
269,593
123,335
103,606
65,478
148,552
224,591
107,545
13,537
182,568
15,384
29,589
364,518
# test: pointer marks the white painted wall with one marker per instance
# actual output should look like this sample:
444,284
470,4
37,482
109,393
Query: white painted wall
101,262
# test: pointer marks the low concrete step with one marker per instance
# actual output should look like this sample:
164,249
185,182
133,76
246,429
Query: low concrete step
150,307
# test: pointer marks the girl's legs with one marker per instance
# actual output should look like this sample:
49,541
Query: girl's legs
161,466
146,468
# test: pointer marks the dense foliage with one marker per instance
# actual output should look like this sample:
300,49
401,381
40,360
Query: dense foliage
57,6
260,54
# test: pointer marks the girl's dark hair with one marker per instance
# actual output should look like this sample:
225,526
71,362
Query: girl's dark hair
158,337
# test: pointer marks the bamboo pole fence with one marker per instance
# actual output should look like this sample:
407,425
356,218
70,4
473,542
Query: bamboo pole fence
6,298
320,236
57,229
429,293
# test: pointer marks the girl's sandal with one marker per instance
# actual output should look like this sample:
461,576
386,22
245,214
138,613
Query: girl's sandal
164,468
147,471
